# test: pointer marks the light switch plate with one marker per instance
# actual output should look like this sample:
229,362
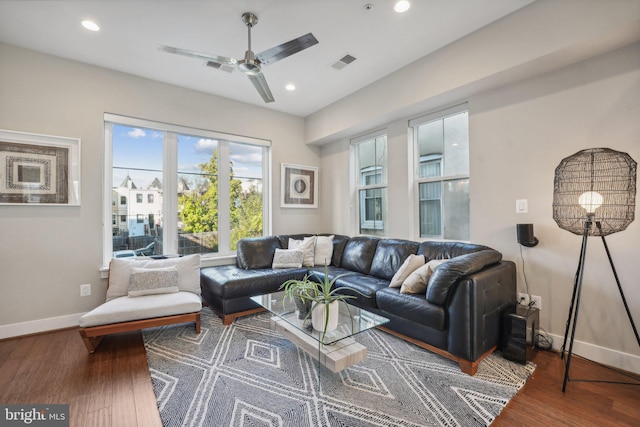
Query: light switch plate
522,206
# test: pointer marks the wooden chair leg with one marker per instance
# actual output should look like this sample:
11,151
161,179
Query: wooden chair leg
90,342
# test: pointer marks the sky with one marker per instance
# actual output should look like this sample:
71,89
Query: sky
139,148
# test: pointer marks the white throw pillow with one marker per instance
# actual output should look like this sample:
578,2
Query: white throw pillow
149,281
323,250
120,271
418,281
307,246
411,264
287,258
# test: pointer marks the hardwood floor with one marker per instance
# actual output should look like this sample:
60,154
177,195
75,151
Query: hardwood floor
112,387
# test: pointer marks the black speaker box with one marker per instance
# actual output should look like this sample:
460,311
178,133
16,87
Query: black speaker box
519,331
525,235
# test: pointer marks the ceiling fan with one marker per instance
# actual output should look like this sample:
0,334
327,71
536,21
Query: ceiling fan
251,64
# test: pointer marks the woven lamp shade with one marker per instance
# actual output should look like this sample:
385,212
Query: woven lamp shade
599,182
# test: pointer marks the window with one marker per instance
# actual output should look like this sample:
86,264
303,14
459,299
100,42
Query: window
123,200
190,206
441,147
370,154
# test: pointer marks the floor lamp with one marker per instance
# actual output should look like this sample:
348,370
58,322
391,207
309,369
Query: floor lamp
594,194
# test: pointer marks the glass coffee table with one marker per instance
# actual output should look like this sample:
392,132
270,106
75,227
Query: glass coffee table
336,350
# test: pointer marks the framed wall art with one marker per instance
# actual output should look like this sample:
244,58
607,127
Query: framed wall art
299,187
39,169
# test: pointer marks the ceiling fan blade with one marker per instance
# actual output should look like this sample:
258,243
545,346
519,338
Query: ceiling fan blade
260,83
199,55
284,50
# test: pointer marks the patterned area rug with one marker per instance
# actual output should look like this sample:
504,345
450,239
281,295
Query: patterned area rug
248,375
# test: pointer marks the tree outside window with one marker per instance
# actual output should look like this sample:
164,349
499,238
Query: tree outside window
211,211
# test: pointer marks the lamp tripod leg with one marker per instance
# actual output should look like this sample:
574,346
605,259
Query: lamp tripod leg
624,300
572,306
577,292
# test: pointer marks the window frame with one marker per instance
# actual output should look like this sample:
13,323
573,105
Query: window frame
415,163
359,191
170,186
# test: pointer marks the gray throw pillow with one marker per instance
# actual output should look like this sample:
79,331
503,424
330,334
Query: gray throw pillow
145,281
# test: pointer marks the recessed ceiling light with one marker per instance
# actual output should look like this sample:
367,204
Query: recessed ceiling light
90,25
290,86
402,6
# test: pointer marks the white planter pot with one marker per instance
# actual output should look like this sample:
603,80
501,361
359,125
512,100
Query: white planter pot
318,316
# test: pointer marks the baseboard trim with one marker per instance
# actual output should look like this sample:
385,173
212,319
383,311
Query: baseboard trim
606,356
40,325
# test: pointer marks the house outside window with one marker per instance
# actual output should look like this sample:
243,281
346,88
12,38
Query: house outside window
441,162
370,159
190,207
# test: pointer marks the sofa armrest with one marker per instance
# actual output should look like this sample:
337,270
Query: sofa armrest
447,274
476,307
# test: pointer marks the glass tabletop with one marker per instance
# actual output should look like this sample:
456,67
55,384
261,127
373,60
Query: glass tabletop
352,320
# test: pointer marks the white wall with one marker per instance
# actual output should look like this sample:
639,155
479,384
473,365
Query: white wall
518,135
47,252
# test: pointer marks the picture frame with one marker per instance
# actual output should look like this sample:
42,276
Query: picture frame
299,186
40,170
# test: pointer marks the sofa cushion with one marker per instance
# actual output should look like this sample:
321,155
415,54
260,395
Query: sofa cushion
440,250
125,309
358,254
229,281
412,263
120,272
323,250
256,252
450,272
148,281
363,283
414,307
287,258
390,255
307,246
418,281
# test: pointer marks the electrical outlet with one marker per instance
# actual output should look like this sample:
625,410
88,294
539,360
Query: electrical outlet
85,290
523,299
537,301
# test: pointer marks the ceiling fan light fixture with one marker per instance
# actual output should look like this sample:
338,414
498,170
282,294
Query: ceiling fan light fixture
402,6
90,25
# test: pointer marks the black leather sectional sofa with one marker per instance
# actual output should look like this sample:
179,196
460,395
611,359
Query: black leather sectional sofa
458,316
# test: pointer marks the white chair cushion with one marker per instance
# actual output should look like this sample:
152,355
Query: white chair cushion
125,309
120,271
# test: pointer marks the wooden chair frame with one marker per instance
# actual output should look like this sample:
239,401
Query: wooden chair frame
93,335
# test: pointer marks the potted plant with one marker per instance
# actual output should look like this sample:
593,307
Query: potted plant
297,290
324,298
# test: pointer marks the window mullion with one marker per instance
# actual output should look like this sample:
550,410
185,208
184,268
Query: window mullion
224,220
107,244
170,193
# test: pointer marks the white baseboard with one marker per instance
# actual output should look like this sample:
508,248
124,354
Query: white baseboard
606,356
40,325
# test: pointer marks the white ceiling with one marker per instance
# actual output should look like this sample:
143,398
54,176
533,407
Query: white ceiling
381,40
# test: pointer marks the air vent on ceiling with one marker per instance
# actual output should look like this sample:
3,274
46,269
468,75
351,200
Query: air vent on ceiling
221,67
343,62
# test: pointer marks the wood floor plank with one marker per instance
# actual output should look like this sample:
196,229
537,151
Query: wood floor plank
112,387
